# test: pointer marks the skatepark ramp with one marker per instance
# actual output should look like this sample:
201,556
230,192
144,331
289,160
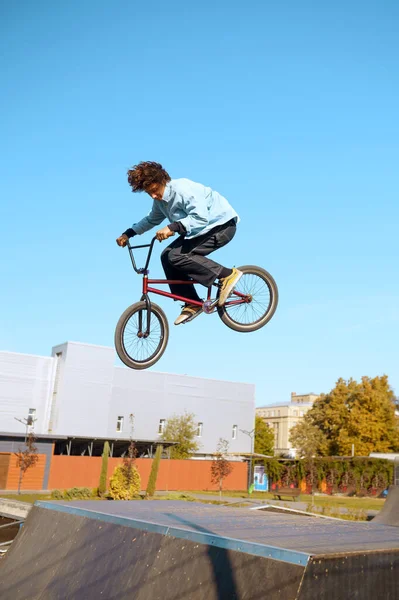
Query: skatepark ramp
389,514
171,550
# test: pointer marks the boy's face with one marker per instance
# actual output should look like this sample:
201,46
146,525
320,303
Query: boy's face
156,191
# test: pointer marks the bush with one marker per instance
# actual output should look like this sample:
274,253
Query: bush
122,487
57,495
75,493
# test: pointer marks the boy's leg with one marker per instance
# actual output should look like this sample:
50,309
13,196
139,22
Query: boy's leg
171,272
187,258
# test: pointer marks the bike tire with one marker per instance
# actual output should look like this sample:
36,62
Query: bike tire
261,320
120,345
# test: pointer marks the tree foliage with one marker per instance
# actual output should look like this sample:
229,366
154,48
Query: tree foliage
152,480
264,437
307,439
361,413
183,430
102,487
346,475
220,467
122,487
125,482
26,458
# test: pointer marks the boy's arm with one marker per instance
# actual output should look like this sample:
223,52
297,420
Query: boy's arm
154,217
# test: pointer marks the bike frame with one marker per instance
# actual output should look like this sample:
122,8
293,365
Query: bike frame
147,289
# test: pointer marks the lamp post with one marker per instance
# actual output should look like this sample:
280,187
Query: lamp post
251,434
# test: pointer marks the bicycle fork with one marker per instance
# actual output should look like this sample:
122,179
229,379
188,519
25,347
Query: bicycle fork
145,298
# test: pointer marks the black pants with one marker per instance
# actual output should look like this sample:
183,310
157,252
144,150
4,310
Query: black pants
185,259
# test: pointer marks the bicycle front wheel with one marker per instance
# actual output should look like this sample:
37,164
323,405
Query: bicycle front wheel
253,301
134,347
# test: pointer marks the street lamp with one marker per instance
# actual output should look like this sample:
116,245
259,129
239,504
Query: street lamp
252,436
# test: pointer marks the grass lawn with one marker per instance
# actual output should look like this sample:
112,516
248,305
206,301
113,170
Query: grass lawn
26,497
330,501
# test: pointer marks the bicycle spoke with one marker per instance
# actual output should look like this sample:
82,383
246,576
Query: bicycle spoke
142,349
248,313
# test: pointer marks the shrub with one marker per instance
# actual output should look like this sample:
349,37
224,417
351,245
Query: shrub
102,487
77,493
57,495
152,480
122,487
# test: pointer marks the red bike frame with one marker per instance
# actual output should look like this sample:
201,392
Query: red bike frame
147,289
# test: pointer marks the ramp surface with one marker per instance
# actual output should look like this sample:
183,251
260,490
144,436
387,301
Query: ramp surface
156,550
389,514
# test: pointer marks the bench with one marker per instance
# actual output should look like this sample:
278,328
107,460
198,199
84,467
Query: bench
291,492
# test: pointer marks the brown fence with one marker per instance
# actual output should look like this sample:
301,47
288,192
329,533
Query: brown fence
173,475
33,478
4,464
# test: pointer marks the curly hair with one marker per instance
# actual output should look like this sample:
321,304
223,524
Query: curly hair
145,174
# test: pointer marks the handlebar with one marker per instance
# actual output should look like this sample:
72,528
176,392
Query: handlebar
144,270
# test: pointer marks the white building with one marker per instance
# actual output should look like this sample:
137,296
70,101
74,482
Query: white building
78,392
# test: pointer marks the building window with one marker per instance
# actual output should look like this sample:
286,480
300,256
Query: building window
234,432
199,429
295,413
31,416
161,426
278,413
301,413
119,424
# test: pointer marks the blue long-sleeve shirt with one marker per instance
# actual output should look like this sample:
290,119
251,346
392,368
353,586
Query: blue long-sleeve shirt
197,207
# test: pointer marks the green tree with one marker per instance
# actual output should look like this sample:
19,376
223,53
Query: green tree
220,467
152,480
264,437
307,439
102,487
361,413
183,430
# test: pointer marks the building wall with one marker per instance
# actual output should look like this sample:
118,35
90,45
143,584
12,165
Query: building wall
281,418
150,397
25,382
173,475
79,392
84,389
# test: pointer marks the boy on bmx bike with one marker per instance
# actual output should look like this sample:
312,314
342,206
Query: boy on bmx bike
204,221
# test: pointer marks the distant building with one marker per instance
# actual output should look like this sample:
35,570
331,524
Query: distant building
282,417
78,395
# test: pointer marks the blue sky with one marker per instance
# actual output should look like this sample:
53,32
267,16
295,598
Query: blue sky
288,109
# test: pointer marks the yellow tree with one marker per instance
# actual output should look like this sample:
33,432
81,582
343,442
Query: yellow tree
362,414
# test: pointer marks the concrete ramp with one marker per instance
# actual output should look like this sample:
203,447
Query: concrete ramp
161,550
389,514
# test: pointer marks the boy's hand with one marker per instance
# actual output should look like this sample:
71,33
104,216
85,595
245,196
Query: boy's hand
164,234
122,240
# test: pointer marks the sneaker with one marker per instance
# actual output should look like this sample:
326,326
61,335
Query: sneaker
228,285
189,311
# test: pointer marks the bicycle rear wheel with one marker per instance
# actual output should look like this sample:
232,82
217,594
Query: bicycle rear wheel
253,301
135,350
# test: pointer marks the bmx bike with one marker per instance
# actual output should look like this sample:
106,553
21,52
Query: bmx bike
142,332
